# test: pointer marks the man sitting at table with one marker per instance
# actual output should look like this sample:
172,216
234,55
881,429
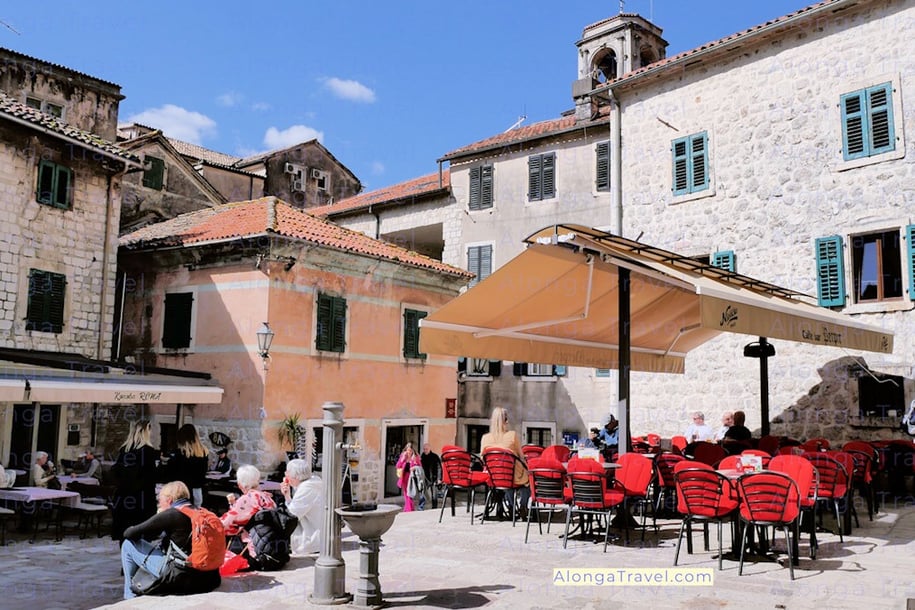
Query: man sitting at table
738,432
88,465
699,430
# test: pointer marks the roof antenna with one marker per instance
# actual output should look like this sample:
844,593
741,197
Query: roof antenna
517,123
622,2
10,28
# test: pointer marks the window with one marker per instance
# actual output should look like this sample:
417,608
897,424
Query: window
54,185
531,369
45,310
480,367
830,272
411,318
154,175
542,437
541,181
601,372
690,164
475,434
331,324
481,187
176,323
724,260
881,394
877,266
602,171
479,262
867,122
539,370
55,110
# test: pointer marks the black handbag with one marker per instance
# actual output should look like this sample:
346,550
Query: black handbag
146,583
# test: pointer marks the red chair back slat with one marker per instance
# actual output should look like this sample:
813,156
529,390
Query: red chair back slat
635,474
770,498
801,471
704,493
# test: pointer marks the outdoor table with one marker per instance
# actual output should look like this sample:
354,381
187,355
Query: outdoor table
67,479
24,495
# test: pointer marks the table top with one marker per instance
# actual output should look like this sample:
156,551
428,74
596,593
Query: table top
39,494
606,465
65,479
215,475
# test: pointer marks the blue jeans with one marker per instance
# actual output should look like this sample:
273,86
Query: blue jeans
134,556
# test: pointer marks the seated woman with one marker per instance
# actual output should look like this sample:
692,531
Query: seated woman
137,551
42,470
241,509
501,436
304,498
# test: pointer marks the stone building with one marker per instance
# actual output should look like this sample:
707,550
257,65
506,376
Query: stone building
344,309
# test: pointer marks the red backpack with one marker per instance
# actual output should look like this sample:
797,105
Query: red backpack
208,539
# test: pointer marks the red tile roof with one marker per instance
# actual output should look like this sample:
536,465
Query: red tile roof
519,134
398,193
270,215
204,154
19,111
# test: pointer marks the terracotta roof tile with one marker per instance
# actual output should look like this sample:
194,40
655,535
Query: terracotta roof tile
18,110
520,134
205,154
271,215
403,192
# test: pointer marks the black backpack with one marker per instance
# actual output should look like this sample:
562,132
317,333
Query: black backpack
270,531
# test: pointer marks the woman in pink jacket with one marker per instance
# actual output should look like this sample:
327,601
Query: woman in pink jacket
408,460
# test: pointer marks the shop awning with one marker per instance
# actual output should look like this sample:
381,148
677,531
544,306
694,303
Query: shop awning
558,303
91,390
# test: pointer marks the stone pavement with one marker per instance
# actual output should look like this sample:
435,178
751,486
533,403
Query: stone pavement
424,564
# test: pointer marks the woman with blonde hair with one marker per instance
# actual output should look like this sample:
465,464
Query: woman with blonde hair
135,478
501,436
407,461
189,463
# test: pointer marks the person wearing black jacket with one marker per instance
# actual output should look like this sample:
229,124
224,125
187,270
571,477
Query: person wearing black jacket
432,468
189,463
174,526
135,476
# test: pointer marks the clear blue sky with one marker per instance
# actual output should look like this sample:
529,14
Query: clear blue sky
388,87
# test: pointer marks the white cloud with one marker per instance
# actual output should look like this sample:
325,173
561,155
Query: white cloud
229,99
377,168
274,138
176,122
350,90
260,106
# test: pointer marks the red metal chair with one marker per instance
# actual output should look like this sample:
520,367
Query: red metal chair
590,495
832,483
866,463
500,464
815,444
531,451
634,477
548,491
457,475
730,462
769,444
769,499
654,442
708,453
766,456
667,490
678,444
560,453
706,496
804,474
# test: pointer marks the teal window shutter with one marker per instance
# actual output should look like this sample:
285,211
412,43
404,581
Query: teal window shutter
690,164
699,157
534,178
725,260
830,272
910,237
601,372
559,370
867,122
549,176
486,186
479,262
54,184
602,171
680,167
475,188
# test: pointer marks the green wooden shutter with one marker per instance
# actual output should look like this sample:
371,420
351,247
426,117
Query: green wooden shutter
475,188
724,260
534,178
910,237
339,325
45,191
602,171
63,179
549,176
411,319
154,177
176,325
323,323
486,186
880,111
45,309
698,162
680,167
55,302
830,272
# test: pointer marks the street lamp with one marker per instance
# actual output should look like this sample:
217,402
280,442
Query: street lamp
264,340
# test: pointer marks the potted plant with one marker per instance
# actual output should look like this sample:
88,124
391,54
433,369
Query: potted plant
291,433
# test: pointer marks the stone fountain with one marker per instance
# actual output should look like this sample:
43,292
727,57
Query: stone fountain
369,522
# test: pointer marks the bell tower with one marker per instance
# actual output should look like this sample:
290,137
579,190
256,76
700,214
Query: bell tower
609,49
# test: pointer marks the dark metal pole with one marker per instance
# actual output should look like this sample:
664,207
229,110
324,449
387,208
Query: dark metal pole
764,385
624,356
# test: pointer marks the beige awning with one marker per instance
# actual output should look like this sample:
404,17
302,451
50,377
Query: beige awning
12,390
91,390
557,303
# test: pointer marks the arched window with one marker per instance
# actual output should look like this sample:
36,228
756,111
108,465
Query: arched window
605,66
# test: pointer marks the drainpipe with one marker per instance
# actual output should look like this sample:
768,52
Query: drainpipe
103,297
616,165
377,221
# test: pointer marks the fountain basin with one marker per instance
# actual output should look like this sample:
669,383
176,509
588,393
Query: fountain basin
369,524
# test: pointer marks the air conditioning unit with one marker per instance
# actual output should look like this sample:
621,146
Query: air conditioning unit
317,174
289,168
297,185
